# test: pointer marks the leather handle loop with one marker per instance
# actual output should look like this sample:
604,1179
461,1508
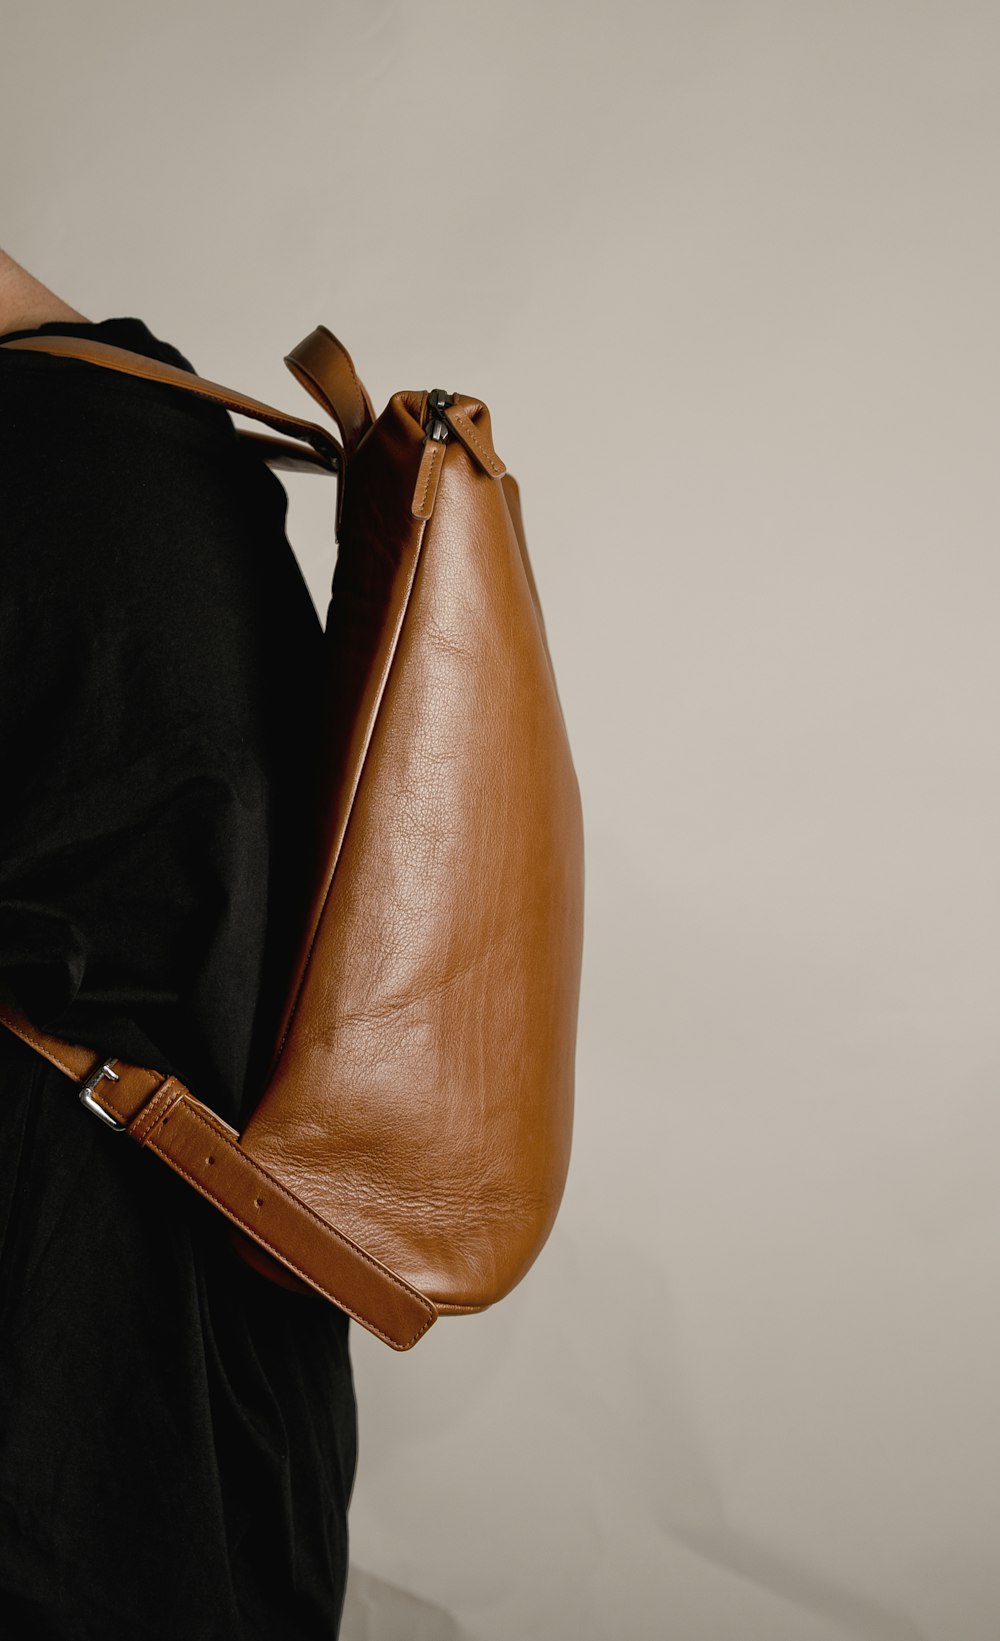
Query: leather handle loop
323,366
123,360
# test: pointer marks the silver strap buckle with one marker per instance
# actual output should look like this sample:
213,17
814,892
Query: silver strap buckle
87,1094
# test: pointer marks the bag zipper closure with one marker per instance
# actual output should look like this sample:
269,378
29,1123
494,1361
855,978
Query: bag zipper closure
437,433
437,402
446,420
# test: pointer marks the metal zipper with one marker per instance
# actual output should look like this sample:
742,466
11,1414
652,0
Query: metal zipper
437,401
437,433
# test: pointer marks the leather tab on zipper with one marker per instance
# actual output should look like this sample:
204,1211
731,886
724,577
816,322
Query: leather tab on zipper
476,440
428,474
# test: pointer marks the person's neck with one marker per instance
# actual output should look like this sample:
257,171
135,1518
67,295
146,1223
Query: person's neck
25,303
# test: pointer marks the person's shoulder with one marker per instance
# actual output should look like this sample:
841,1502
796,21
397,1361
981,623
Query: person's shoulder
28,378
26,304
123,332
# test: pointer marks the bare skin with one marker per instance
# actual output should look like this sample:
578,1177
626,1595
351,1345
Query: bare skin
25,302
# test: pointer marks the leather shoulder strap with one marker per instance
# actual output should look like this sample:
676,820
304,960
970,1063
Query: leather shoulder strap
162,1114
322,444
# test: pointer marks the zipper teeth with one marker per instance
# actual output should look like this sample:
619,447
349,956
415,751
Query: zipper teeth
437,427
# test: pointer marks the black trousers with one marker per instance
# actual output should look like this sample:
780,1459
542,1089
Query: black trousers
176,1434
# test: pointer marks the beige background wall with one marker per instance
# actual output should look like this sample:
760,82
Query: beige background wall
727,275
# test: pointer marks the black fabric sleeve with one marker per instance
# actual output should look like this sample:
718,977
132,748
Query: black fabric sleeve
159,659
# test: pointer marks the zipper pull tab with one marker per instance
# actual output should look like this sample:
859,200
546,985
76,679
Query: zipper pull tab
432,460
437,402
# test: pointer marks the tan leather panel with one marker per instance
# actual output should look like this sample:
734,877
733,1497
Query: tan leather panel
430,1052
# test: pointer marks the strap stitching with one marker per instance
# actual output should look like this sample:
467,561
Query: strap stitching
151,1112
432,465
380,1270
284,1258
366,408
171,1087
490,457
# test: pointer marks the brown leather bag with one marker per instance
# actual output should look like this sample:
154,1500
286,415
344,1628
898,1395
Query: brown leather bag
409,1153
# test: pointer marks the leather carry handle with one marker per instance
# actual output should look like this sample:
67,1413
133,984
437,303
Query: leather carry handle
162,1114
323,366
323,449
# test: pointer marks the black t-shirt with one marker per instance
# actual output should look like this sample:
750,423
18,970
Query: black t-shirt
160,656
177,1436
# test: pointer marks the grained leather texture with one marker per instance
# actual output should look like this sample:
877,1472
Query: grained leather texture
162,1114
410,1151
422,1093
